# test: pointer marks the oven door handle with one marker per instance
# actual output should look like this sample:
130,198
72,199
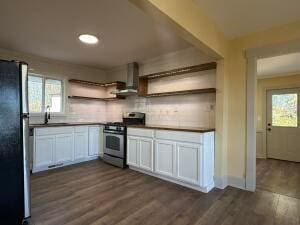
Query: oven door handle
113,132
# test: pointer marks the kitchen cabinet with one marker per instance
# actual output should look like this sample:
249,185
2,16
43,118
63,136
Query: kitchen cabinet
186,158
146,153
95,141
64,148
189,158
165,157
133,151
44,147
140,152
81,143
60,146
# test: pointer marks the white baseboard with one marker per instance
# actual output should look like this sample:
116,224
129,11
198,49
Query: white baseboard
223,182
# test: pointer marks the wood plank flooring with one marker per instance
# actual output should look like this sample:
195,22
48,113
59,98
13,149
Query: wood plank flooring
278,176
96,193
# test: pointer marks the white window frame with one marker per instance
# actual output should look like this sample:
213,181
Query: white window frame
63,101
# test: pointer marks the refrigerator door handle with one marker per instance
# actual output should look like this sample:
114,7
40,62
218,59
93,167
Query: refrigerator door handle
26,165
24,70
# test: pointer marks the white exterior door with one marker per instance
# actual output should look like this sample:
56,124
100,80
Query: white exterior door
283,131
81,145
64,148
133,151
188,162
94,145
146,154
44,150
165,161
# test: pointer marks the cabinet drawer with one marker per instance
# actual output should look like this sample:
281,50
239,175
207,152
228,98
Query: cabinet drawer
140,132
81,129
53,130
180,136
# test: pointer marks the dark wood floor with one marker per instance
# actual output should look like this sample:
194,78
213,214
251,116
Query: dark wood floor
278,176
96,193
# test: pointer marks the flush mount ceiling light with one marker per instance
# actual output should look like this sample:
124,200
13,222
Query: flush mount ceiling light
88,39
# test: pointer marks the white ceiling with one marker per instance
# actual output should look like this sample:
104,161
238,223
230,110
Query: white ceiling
51,28
279,65
241,17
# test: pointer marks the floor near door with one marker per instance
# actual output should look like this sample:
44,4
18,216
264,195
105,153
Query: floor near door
278,176
97,193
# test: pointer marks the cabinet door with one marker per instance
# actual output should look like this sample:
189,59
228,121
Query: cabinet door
146,154
133,151
188,162
44,150
81,145
101,141
165,163
94,141
64,150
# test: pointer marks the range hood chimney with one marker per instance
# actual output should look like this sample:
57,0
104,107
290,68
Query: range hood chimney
132,80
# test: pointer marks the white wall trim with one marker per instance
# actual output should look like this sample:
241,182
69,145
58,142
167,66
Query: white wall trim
252,56
223,182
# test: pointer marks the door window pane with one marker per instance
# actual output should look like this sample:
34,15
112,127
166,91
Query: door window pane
53,95
284,110
35,94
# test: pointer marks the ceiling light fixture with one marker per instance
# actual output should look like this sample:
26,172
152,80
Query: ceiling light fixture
88,39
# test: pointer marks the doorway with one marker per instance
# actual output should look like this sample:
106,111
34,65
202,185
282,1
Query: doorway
283,130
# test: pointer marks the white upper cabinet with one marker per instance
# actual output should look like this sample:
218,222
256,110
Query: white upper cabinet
165,157
64,149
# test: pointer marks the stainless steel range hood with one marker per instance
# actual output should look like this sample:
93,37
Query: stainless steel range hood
132,80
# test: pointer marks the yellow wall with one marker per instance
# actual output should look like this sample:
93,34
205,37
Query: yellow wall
191,23
279,82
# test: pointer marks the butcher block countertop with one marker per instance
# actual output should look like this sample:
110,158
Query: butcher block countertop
41,125
174,128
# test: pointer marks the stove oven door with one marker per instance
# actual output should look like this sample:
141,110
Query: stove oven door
114,144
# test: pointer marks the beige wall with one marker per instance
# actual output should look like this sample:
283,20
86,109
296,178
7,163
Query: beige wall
75,110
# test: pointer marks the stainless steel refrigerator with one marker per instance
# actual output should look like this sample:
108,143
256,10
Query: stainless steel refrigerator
14,160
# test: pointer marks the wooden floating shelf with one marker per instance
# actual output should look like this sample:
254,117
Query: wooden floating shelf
98,99
119,84
180,71
185,92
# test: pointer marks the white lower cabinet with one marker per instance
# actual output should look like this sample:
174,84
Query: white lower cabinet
59,146
165,157
94,141
81,144
146,153
64,148
133,151
140,152
189,162
186,158
43,156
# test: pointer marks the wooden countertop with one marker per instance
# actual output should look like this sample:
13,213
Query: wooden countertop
174,128
40,125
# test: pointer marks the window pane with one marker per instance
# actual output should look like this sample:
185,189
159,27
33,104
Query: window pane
53,95
35,93
284,110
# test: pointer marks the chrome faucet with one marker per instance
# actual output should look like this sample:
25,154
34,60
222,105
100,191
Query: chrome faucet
47,114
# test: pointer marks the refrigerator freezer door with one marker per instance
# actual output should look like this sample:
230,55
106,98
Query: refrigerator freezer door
26,165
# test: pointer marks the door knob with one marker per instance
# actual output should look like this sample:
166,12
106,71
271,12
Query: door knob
269,129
